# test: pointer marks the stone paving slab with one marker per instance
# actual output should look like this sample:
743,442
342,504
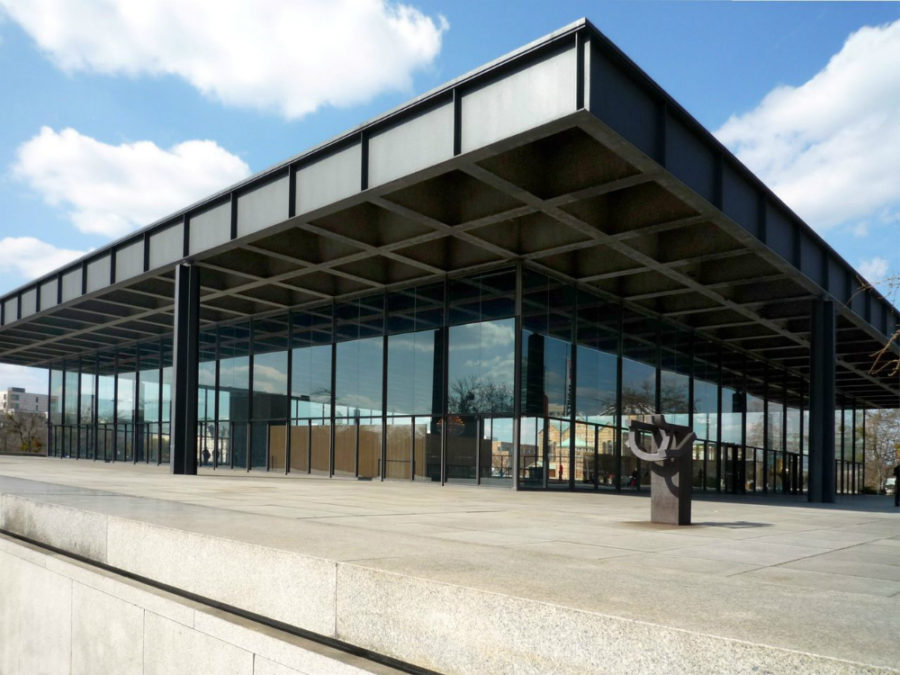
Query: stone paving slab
771,584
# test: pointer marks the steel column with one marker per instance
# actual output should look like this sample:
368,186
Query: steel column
821,401
183,455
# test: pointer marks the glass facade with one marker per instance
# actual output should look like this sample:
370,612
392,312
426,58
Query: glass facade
501,378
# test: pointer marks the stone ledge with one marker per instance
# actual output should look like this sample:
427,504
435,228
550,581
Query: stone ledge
434,624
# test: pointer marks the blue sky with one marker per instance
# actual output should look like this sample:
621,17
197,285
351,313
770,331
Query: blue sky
116,113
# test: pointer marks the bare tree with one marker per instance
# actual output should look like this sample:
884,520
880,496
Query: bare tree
882,433
23,431
473,395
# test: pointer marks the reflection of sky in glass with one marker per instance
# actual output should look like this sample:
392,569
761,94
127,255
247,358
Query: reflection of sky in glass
705,408
167,393
596,395
311,373
148,395
411,372
71,403
755,421
125,410
674,395
87,397
776,426
481,366
234,377
638,387
793,429
270,373
731,421
105,402
358,376
56,378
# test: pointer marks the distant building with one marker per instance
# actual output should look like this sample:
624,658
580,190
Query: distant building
17,399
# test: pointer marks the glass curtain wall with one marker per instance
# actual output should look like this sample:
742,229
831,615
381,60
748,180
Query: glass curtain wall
425,383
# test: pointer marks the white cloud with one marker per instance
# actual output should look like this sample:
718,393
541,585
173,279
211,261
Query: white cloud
112,189
830,147
292,56
874,270
30,257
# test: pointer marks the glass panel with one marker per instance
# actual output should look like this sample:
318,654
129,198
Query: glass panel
638,389
531,454
427,450
462,441
56,386
206,399
86,414
481,367
399,447
148,405
733,403
483,297
321,445
756,414
71,412
496,451
125,413
370,435
414,373
675,371
234,394
597,334
546,375
311,390
557,452
606,456
270,391
358,377
345,446
585,466
775,414
300,435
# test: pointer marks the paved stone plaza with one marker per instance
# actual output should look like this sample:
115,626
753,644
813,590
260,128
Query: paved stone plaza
480,580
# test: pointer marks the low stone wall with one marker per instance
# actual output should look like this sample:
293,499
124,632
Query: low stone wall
434,625
58,615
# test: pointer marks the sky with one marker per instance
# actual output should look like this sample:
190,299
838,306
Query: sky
117,113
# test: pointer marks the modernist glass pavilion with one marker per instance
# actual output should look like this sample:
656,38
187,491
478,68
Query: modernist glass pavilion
482,286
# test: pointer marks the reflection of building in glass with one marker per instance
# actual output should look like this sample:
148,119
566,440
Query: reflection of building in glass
484,286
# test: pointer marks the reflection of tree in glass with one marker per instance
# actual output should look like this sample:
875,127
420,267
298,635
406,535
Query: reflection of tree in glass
642,401
881,433
472,395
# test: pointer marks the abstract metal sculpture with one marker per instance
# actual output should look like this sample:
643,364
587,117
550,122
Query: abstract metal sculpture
670,468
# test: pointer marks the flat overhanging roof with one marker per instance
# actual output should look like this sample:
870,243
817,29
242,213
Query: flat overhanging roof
563,155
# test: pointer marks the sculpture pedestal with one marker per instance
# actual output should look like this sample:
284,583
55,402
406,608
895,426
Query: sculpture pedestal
670,491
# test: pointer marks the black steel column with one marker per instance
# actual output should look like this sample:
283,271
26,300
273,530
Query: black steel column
821,401
517,384
619,417
183,455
